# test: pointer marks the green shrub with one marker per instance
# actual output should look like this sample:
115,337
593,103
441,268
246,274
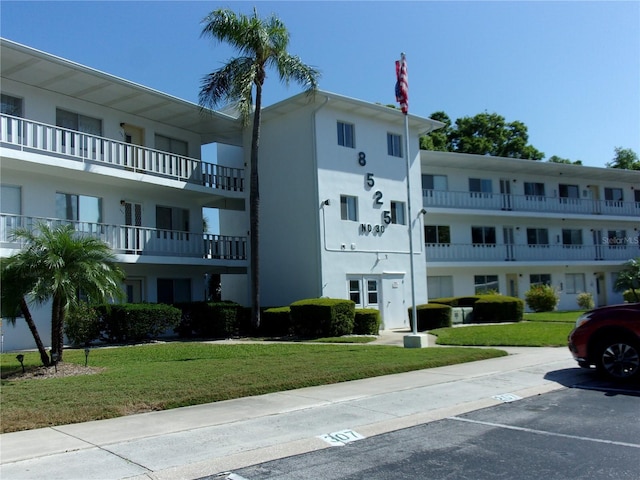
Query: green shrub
367,321
497,308
275,322
542,298
585,301
208,319
322,317
82,325
132,322
451,301
431,316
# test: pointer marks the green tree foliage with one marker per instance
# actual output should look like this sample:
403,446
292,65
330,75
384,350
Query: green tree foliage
629,278
625,159
542,298
62,262
557,159
261,44
483,134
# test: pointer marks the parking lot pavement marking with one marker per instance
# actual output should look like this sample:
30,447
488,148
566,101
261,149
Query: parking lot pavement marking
341,438
507,397
543,432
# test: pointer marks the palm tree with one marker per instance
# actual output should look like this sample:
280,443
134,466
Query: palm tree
16,280
64,263
261,44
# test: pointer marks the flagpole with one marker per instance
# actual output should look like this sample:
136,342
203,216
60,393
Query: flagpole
414,309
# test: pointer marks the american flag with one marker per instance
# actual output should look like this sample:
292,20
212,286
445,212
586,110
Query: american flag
402,84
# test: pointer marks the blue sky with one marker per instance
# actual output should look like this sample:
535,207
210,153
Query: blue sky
569,70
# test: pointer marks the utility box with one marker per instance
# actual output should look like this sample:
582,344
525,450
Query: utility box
460,315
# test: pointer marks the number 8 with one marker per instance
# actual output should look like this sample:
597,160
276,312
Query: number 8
362,159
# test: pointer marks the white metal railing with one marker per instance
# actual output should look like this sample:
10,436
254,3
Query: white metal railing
464,252
527,203
124,239
29,135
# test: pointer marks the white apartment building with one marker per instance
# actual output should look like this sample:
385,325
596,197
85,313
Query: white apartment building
505,224
123,162
119,161
334,213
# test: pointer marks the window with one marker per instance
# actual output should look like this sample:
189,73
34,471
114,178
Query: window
349,208
78,208
394,145
77,122
434,182
354,291
437,234
397,213
537,236
571,237
174,290
485,284
346,136
534,189
569,191
171,218
439,287
616,238
613,197
539,279
172,145
11,105
483,236
11,199
575,282
480,187
372,292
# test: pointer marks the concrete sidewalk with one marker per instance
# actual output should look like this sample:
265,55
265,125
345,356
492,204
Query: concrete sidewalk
192,442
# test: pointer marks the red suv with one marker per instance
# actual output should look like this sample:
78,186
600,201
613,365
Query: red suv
609,338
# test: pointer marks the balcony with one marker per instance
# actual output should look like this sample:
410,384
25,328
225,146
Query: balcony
527,203
458,252
124,239
26,135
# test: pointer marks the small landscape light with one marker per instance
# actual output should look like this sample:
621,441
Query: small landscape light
20,358
86,356
54,360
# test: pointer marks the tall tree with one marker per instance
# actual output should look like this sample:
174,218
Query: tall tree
62,263
625,158
261,44
438,140
557,159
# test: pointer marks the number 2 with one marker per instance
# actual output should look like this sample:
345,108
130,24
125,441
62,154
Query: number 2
378,198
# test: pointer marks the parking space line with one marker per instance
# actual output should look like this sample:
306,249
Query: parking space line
543,432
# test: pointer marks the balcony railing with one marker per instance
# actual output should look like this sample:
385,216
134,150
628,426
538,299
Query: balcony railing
458,252
124,239
32,136
527,203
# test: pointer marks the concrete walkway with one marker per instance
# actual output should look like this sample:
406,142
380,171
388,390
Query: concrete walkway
192,442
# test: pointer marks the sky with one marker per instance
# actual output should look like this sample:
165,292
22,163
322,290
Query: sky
570,71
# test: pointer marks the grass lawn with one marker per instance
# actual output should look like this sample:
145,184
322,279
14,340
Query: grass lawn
569,316
161,376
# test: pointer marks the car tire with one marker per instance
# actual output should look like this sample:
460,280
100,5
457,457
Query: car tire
619,359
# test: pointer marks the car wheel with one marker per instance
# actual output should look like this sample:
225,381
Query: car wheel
619,359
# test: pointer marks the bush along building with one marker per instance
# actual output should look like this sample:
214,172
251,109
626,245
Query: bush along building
124,162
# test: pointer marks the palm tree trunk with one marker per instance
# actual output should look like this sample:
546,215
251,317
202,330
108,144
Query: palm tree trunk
254,212
56,327
24,308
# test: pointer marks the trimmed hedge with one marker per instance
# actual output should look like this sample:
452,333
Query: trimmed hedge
431,316
276,322
498,308
322,317
209,319
133,322
366,321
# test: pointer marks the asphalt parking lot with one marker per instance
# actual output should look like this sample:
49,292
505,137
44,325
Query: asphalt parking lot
586,431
